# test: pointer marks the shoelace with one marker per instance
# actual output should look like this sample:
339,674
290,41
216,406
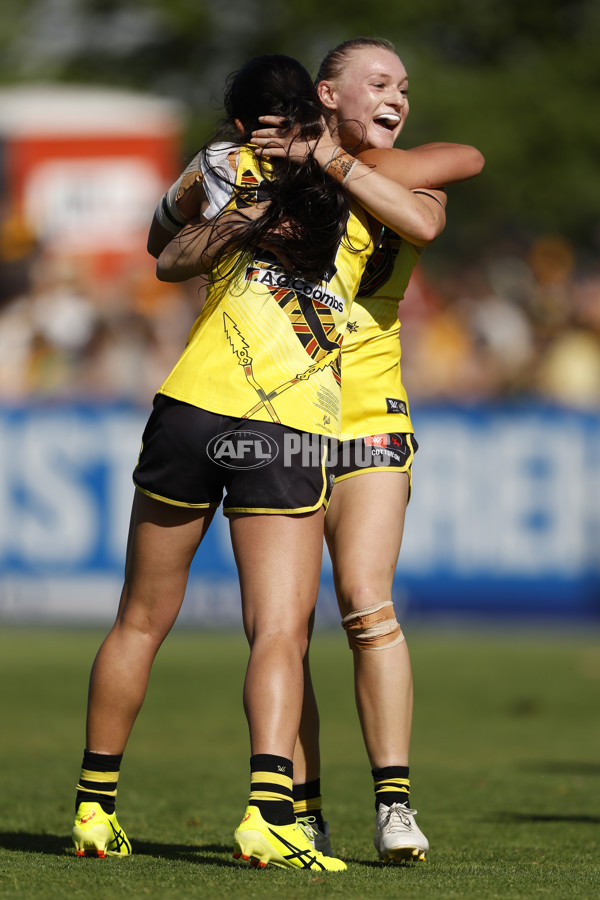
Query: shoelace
305,823
403,813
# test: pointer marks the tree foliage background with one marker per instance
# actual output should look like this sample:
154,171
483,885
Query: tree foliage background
518,79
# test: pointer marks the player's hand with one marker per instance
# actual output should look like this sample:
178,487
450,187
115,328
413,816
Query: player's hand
276,140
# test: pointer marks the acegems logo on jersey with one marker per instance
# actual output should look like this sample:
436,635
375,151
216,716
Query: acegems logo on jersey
242,450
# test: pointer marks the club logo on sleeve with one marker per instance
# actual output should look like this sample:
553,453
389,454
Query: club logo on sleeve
396,406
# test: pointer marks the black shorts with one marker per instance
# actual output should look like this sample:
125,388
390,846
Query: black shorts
190,457
379,452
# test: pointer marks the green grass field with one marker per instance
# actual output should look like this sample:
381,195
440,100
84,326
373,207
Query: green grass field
505,770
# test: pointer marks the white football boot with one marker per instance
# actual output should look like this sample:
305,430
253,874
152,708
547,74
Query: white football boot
397,835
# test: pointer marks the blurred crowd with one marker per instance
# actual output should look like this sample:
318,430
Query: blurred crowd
522,324
80,329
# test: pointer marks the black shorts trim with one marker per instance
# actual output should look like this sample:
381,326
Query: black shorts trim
391,452
194,458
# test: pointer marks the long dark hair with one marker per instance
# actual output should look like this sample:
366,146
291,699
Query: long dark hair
308,213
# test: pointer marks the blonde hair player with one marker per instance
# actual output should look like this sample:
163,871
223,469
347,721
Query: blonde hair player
363,87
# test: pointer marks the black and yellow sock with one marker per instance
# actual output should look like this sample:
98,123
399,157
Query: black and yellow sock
391,785
271,788
98,780
308,802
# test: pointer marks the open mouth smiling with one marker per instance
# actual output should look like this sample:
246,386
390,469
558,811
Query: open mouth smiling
387,121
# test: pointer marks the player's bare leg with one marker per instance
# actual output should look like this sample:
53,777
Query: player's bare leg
161,546
162,542
307,765
279,562
364,527
307,758
278,559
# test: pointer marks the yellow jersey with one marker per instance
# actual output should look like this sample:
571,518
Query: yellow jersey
267,344
374,400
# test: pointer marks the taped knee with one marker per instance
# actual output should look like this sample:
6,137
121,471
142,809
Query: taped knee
373,628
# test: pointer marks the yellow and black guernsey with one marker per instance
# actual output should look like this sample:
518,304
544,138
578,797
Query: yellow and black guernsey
374,400
267,345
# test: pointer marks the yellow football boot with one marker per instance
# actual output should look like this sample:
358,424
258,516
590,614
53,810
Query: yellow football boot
96,833
287,846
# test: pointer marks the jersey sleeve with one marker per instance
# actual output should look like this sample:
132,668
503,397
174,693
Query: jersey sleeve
212,165
167,214
219,167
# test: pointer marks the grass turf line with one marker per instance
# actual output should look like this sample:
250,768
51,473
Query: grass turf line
505,770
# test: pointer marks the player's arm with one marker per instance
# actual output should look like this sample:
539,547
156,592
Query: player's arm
428,166
414,217
184,200
193,249
417,215
158,238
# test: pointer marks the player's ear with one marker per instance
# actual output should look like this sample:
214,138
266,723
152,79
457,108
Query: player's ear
326,92
239,126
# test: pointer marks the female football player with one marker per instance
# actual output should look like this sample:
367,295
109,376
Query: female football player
363,87
284,249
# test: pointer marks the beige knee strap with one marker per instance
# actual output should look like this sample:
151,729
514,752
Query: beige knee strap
373,628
